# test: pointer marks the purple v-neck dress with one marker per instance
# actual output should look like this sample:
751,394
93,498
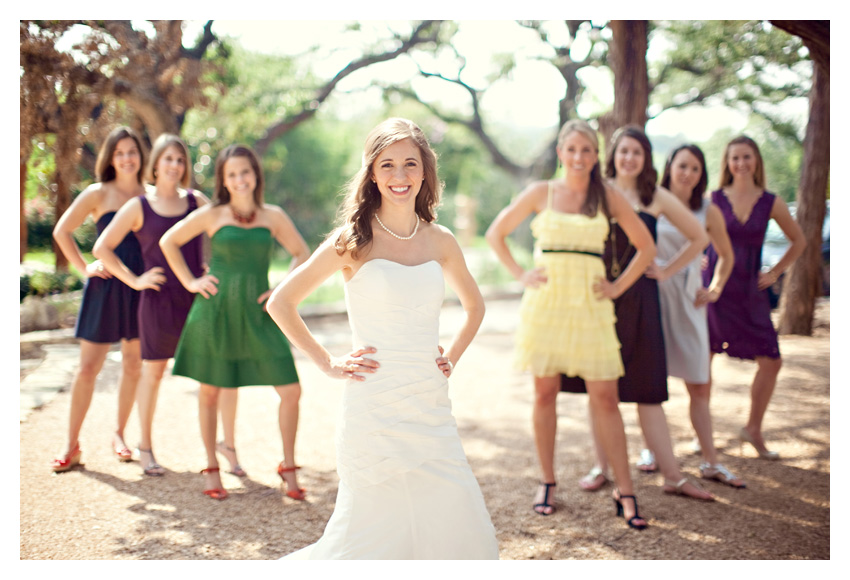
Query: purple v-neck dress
739,322
162,312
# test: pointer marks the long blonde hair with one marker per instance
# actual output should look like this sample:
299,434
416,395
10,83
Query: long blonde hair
362,197
596,189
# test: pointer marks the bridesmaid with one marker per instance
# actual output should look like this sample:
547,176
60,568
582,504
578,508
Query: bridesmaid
229,340
108,309
739,322
639,313
567,314
164,302
684,299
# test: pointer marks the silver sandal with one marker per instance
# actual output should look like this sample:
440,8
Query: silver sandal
678,489
646,463
718,472
592,481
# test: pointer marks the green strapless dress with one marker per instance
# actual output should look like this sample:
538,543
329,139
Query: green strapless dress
229,340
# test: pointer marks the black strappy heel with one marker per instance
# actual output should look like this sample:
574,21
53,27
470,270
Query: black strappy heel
621,513
545,503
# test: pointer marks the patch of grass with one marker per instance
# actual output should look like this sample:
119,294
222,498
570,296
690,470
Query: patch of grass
40,256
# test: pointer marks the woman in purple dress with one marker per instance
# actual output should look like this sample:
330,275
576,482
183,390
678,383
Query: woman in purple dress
739,322
164,302
108,309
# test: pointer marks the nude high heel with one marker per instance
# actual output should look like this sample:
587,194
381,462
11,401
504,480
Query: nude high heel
745,436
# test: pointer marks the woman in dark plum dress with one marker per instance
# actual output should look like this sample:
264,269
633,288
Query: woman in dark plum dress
108,309
164,302
739,322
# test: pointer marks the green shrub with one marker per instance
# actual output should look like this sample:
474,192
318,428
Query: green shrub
40,222
86,236
25,286
44,283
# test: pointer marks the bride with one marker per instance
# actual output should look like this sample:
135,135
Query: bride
406,490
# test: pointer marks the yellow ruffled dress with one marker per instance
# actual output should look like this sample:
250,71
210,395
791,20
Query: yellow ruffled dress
563,327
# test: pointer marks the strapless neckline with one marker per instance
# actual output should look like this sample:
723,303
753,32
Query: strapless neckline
393,262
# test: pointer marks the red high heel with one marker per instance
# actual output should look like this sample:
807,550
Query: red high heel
121,450
61,464
218,494
299,493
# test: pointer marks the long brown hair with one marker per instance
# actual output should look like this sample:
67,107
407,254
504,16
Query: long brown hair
103,168
221,195
695,200
758,174
362,197
596,197
648,176
162,143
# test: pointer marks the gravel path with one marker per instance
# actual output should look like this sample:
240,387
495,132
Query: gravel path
109,510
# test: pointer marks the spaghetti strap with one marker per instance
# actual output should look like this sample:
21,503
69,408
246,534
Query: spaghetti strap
549,196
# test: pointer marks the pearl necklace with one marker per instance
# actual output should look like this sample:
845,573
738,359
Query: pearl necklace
395,235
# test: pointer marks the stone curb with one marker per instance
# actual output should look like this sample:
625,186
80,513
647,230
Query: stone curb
51,377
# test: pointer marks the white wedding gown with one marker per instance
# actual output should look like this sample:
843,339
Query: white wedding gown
406,490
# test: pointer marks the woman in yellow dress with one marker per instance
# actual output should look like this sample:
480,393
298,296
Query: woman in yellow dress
567,314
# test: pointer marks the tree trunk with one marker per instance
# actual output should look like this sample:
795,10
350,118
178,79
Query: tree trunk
804,281
63,197
24,229
627,59
66,174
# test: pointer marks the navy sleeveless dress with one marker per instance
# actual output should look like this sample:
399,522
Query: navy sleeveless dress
639,329
162,313
108,311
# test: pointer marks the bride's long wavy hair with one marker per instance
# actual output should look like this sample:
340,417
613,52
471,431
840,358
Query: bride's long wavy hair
362,198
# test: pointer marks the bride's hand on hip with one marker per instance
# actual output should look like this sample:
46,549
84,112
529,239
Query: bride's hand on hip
444,364
347,367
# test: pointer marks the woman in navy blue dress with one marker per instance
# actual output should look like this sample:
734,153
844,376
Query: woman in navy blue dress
108,309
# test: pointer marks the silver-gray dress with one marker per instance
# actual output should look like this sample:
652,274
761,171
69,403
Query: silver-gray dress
685,326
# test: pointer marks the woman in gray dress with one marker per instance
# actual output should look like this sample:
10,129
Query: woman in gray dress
683,298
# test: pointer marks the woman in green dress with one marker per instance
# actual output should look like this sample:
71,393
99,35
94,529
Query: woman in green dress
229,339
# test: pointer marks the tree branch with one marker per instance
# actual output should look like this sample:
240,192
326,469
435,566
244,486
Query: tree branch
207,38
423,33
815,35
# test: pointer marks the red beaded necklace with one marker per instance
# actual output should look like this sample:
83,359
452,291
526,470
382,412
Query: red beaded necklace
242,218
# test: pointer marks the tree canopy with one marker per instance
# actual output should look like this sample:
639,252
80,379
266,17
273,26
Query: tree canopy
80,78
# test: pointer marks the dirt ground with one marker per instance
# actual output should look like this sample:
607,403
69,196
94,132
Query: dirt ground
106,510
